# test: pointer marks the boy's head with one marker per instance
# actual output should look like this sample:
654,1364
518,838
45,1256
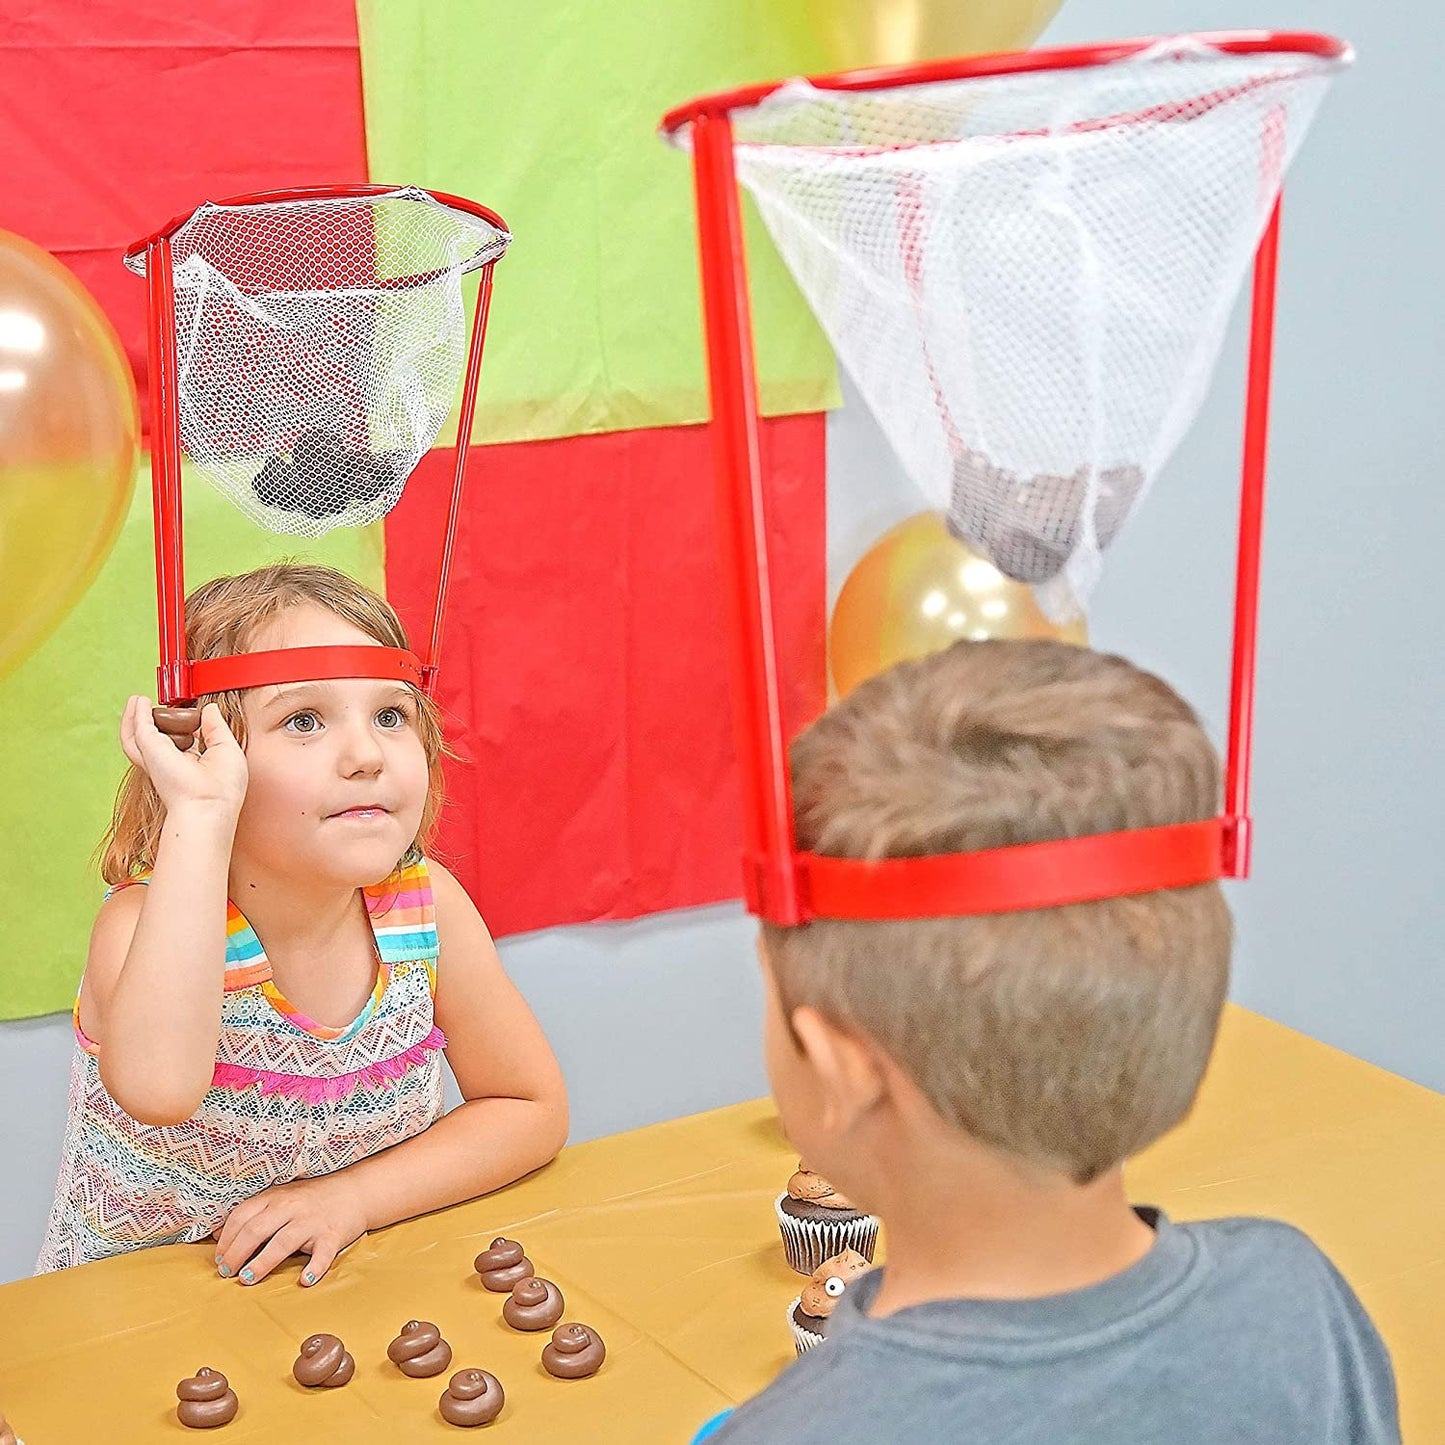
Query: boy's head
311,747
1065,1038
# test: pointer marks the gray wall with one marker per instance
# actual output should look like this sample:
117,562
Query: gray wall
1339,928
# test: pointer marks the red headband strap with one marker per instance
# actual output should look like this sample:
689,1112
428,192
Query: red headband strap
1010,880
302,664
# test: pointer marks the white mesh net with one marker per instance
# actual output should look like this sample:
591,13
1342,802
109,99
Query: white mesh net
320,346
1029,276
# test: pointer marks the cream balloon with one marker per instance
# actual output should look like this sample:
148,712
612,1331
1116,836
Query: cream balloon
919,589
69,430
857,33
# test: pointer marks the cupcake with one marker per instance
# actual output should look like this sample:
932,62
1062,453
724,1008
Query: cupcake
808,1315
817,1222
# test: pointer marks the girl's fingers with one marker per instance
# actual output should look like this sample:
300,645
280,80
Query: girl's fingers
282,1245
323,1256
215,732
229,1254
128,742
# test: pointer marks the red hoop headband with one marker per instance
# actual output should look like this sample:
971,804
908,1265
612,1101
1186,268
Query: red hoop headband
180,680
788,887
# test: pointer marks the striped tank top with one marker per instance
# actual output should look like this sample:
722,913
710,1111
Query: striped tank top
289,1099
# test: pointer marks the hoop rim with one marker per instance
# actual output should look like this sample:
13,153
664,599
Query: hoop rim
1008,62
317,193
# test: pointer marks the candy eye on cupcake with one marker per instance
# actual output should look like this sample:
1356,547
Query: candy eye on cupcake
834,1286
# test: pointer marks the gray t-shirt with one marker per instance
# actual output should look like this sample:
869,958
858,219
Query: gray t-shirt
1234,1330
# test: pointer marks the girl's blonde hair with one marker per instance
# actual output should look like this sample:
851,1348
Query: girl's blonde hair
222,619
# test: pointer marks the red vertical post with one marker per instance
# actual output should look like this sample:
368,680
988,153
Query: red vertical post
464,437
172,679
1251,528
768,841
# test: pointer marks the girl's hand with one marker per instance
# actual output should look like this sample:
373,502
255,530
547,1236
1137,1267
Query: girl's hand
212,775
319,1217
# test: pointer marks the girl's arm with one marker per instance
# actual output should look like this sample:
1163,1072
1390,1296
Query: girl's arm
513,1120
151,996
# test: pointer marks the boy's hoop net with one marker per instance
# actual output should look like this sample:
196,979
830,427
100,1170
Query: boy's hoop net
1028,275
1027,261
320,344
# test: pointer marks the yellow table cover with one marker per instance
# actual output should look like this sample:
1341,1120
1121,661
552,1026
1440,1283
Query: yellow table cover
664,1240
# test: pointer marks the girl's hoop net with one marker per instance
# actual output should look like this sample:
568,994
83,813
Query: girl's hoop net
320,345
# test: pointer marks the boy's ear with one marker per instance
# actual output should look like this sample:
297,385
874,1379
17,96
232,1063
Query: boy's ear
846,1066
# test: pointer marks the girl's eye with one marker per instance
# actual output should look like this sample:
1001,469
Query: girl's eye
391,717
302,722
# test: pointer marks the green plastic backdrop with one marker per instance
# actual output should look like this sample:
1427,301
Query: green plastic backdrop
548,112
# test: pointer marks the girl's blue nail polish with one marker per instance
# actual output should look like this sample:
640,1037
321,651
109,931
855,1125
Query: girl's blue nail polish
247,1277
225,1272
310,1278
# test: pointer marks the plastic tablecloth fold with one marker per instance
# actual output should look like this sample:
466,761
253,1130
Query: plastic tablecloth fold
664,1240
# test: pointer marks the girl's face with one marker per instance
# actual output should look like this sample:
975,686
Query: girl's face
338,774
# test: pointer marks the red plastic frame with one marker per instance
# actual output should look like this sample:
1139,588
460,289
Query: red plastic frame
788,887
180,680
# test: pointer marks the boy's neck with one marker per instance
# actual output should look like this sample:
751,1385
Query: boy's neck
973,1224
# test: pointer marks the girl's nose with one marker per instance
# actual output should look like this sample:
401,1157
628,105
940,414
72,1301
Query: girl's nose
361,750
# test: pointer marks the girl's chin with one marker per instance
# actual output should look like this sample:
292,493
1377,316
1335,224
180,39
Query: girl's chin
360,862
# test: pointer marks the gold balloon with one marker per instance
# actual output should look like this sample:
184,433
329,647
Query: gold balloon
858,33
917,590
69,432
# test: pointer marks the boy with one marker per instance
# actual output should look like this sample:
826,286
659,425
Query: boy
979,1082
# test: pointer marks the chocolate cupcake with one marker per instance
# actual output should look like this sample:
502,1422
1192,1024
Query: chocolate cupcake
817,1222
809,1314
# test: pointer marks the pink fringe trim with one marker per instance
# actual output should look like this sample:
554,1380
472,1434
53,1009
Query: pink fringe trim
327,1090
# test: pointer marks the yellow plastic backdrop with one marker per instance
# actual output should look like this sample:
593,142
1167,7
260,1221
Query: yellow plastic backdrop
68,439
890,32
917,590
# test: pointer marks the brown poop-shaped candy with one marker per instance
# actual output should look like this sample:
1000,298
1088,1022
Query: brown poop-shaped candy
502,1265
206,1400
419,1350
472,1397
179,724
576,1351
534,1304
323,1361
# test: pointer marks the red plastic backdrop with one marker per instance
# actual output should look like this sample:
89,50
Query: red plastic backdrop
115,117
583,665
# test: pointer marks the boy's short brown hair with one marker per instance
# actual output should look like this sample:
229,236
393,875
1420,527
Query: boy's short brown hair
1072,1037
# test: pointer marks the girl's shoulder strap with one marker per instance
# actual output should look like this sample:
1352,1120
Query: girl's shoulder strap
403,915
138,880
246,961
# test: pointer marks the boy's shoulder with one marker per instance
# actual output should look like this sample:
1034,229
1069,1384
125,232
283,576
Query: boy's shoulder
1267,1253
1270,1330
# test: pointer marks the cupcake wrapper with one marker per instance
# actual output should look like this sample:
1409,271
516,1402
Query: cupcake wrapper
807,1243
803,1340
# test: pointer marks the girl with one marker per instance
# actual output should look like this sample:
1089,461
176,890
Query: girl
277,970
